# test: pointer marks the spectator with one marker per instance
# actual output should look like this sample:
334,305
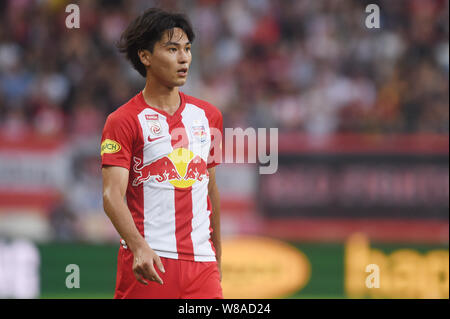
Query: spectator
321,70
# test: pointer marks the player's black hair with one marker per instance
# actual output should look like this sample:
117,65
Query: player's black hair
147,29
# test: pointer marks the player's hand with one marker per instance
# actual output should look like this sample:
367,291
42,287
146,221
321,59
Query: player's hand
143,268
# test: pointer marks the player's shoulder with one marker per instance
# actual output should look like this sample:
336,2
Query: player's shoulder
211,110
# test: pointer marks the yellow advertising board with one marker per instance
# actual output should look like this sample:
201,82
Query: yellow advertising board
258,267
405,273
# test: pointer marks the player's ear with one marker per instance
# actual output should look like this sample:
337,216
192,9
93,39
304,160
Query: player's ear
145,57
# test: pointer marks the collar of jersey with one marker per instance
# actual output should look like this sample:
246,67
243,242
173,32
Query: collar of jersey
167,115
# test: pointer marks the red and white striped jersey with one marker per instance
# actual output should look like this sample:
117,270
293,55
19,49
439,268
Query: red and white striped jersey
168,157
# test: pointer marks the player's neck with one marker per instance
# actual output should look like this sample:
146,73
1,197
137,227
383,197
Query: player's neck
161,97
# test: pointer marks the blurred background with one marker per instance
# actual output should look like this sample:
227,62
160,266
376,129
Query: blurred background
363,119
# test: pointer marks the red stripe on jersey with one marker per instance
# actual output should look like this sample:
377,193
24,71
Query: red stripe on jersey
183,196
183,223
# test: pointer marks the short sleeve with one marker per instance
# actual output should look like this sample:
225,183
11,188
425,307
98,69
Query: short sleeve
216,131
117,142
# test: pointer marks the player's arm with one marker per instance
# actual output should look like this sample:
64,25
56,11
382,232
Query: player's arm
214,196
115,181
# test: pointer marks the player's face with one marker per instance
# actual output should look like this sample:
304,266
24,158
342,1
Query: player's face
171,59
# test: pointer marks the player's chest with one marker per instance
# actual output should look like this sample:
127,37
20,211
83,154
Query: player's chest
162,135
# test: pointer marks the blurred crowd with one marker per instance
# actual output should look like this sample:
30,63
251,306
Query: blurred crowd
304,65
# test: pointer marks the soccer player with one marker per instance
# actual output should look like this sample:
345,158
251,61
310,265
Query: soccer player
158,152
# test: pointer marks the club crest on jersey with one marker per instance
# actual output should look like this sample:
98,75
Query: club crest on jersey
153,124
199,132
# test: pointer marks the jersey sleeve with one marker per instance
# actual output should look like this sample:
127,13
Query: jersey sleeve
117,142
216,130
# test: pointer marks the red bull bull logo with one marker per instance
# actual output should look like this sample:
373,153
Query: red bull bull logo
181,168
196,169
